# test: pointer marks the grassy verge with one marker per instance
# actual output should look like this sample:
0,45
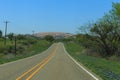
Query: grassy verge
32,50
107,70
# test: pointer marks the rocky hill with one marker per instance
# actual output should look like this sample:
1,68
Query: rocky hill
56,35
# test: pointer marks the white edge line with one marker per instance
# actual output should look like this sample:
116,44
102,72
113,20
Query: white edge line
81,65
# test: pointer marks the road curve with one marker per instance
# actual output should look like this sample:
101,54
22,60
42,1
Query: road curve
52,64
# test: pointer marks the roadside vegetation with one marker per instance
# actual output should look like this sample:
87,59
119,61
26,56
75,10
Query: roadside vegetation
106,69
97,45
20,46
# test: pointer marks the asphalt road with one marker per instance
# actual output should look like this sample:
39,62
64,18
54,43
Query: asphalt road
52,64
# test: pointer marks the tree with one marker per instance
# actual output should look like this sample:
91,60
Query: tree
21,37
105,33
116,9
116,12
10,36
49,38
0,33
106,30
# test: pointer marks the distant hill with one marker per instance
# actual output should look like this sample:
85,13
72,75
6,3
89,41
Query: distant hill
56,35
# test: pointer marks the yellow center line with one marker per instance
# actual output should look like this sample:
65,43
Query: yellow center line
41,64
31,69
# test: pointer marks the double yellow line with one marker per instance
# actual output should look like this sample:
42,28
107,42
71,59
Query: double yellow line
37,67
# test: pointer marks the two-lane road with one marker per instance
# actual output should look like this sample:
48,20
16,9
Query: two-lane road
52,64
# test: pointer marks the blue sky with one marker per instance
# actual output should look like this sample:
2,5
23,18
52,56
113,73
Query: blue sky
50,15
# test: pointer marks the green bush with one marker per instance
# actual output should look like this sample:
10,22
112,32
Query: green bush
4,49
26,43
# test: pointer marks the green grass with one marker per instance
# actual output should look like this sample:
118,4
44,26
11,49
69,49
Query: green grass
107,70
32,50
